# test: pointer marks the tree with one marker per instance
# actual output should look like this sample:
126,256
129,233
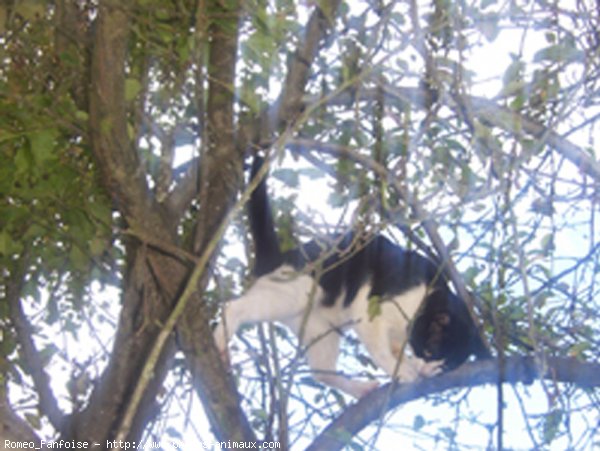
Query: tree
380,99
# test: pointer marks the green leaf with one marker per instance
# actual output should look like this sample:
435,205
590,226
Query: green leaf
260,413
337,200
32,289
547,243
173,433
97,246
418,422
78,259
311,173
513,73
42,145
8,246
470,275
455,145
34,420
558,53
448,432
5,240
578,349
81,116
518,102
49,351
551,425
101,211
398,18
132,89
488,26
374,307
250,97
30,10
512,88
287,176
550,37
34,231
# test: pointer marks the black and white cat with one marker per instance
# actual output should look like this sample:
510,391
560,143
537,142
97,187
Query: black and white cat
322,288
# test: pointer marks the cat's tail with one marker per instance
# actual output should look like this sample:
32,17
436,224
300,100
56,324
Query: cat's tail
267,253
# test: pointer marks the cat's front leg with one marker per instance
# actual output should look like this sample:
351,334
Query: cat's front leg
413,368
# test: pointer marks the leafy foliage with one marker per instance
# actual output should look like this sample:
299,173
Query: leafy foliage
468,127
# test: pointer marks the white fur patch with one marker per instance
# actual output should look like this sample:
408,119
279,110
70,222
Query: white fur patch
285,295
278,296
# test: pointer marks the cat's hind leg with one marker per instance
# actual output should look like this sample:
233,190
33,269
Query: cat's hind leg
277,296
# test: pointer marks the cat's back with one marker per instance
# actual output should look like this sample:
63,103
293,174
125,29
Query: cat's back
343,263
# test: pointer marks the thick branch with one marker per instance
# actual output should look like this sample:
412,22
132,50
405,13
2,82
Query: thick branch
217,392
122,173
71,39
282,113
221,164
221,169
35,365
151,282
31,357
289,104
515,123
516,369
145,305
13,427
490,113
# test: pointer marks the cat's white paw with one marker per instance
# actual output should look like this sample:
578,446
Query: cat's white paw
408,371
431,368
414,368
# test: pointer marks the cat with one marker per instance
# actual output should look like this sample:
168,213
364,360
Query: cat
393,299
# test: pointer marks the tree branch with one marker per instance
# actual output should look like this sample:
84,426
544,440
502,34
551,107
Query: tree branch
122,173
31,357
178,200
284,110
488,112
515,123
146,303
70,38
13,427
289,104
221,175
221,168
35,366
387,397
224,423
220,180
